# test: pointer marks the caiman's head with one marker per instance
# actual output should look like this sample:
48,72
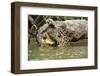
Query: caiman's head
48,40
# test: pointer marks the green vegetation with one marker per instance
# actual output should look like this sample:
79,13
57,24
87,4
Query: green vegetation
63,18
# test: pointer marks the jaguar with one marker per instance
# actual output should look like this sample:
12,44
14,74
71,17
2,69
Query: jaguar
61,33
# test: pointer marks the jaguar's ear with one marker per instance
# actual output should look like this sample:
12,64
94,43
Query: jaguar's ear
51,23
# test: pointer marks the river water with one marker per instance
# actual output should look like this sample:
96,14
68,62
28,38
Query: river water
76,50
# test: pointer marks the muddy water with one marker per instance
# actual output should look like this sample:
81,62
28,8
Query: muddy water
77,50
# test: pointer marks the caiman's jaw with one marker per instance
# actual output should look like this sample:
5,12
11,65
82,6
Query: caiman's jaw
47,41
